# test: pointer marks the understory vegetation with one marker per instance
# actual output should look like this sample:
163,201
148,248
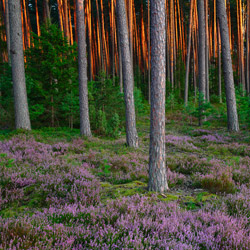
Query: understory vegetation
59,191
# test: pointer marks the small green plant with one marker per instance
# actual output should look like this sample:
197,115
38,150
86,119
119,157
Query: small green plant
113,126
6,162
101,122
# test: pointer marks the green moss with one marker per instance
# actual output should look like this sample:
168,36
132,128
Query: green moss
122,190
168,198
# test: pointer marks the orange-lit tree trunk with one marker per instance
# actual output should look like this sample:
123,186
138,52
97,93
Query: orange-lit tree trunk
7,28
172,34
248,49
99,34
149,51
37,20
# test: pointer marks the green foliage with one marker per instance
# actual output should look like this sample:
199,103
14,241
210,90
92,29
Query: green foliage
140,103
105,99
52,77
6,98
243,107
202,111
106,104
113,126
171,101
101,122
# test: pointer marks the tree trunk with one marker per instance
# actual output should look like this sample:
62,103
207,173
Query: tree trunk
172,44
120,65
188,52
202,55
248,49
157,167
131,133
207,52
47,11
82,66
100,36
149,51
7,27
219,61
37,20
232,116
22,119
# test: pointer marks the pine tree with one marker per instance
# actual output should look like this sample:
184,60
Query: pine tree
157,168
22,119
202,55
131,132
232,116
82,66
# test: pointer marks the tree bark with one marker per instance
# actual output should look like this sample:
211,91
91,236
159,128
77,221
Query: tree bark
157,167
120,65
207,52
22,119
82,66
219,61
248,49
188,52
202,54
7,28
149,51
232,116
131,133
47,11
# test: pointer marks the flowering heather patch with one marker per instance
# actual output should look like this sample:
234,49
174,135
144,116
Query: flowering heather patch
57,190
129,223
181,142
241,173
214,138
238,148
41,171
190,164
125,168
238,205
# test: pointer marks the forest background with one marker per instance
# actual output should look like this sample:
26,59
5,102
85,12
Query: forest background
52,84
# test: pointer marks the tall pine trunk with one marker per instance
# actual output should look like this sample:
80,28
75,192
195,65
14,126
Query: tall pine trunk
207,52
232,116
157,167
201,55
47,11
149,51
22,119
7,28
188,52
219,61
248,49
131,133
82,66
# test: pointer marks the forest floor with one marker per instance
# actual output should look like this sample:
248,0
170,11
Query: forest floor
60,191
